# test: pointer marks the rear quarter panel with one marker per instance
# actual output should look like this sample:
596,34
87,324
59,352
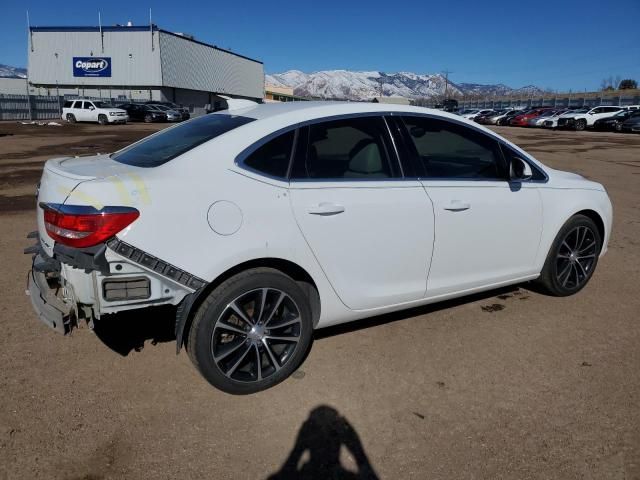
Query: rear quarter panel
175,199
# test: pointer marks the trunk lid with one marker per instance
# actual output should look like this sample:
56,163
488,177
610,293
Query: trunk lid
61,176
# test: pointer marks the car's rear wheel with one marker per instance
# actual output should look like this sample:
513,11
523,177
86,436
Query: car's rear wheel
102,119
581,124
572,258
148,118
71,118
618,127
251,332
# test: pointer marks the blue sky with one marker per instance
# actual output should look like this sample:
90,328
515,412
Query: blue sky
564,44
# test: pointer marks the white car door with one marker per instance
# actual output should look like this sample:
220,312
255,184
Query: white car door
370,229
83,112
487,230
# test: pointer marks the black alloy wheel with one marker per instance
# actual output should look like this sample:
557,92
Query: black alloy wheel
572,258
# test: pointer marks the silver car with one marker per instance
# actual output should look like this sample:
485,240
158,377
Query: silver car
172,115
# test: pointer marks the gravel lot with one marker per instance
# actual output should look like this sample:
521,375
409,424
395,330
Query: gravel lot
509,384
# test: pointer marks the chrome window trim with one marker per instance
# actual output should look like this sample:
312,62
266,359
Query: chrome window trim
395,147
241,157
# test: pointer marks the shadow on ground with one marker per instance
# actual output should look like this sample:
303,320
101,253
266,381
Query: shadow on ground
316,453
416,311
128,331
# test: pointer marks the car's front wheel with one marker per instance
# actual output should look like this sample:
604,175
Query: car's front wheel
581,124
102,119
251,332
572,258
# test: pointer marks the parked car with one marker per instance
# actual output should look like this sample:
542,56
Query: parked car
144,113
523,119
613,123
631,124
494,117
580,121
172,115
547,116
483,119
275,241
173,106
83,110
505,119
468,111
552,122
471,115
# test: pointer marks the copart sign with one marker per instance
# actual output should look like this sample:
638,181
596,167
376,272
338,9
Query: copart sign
91,66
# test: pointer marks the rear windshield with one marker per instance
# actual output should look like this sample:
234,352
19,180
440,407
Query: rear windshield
170,143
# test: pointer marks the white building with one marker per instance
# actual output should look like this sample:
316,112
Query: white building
143,63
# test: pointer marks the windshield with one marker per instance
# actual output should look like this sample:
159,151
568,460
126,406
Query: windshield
160,107
170,143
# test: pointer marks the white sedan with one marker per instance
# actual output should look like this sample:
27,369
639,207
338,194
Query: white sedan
264,223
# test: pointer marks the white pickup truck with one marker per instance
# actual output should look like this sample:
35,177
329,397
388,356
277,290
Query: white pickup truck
82,110
580,121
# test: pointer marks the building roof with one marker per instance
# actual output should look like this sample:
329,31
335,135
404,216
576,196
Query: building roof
136,28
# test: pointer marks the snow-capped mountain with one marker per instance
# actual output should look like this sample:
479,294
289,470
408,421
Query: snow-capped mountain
12,72
349,85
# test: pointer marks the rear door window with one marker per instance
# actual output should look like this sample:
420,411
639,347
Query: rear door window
168,144
353,148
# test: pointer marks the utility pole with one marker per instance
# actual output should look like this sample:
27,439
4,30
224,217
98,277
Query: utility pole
446,82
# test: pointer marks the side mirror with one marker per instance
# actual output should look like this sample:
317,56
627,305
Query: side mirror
519,170
92,108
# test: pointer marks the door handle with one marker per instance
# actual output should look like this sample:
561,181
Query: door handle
325,209
457,206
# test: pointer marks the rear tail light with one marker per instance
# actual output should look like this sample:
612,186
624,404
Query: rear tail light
85,226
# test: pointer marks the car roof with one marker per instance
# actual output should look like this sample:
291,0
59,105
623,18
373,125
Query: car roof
301,111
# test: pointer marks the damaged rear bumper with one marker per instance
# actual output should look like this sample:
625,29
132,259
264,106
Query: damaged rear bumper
52,310
85,284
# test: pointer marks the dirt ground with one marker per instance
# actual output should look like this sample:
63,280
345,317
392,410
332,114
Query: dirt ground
510,384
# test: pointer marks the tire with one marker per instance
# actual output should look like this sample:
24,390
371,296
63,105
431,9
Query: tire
71,118
581,124
102,119
572,258
618,127
243,356
148,118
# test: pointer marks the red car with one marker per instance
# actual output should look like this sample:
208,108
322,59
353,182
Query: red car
523,119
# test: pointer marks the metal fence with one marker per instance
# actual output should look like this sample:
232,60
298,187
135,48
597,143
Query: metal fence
30,107
576,101
36,107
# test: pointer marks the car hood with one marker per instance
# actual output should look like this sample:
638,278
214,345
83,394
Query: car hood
562,179
114,109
